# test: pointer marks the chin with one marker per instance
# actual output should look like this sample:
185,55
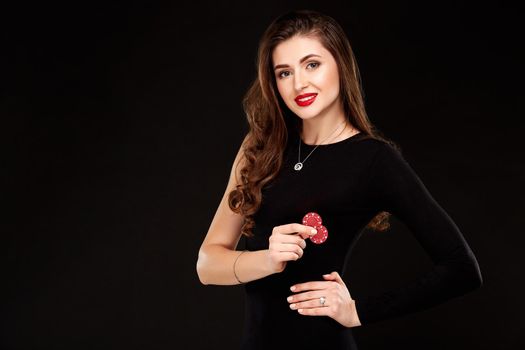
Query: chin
307,115
306,112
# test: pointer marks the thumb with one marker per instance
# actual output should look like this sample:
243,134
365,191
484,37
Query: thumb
334,276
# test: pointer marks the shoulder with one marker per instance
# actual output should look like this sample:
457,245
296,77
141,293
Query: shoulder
382,157
378,149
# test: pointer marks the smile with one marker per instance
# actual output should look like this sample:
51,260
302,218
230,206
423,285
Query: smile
305,100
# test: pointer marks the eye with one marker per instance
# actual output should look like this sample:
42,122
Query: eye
316,63
280,75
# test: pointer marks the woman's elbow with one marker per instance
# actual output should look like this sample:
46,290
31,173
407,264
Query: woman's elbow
200,268
476,278
200,274
467,271
471,277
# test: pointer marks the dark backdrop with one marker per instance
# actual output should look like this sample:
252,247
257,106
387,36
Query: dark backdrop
120,121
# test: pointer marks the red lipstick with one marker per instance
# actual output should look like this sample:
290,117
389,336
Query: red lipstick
307,99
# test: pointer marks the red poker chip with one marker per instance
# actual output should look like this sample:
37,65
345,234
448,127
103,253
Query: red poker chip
320,236
312,219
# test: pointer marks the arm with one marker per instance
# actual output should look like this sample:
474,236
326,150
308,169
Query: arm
396,188
217,252
215,265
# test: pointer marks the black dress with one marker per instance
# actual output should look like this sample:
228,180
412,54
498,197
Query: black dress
347,183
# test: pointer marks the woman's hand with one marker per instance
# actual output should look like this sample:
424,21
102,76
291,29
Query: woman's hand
338,305
287,243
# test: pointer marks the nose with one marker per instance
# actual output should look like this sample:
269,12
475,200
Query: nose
299,81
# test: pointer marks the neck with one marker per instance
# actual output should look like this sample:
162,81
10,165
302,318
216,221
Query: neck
324,127
319,132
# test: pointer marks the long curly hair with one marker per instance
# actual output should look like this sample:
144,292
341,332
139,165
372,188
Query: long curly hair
270,119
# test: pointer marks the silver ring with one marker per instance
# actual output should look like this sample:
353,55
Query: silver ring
322,300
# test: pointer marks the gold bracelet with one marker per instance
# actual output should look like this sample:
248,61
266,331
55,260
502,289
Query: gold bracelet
234,266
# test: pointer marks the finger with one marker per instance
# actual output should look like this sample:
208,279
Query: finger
303,230
315,285
293,247
306,296
287,256
287,247
311,303
290,239
277,239
318,311
335,277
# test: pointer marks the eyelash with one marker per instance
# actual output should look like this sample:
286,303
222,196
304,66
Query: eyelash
280,73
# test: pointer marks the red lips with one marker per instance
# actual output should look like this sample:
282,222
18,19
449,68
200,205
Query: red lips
305,102
314,220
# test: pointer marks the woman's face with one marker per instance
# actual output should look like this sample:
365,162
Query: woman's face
303,66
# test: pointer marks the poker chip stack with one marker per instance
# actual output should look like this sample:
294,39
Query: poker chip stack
314,220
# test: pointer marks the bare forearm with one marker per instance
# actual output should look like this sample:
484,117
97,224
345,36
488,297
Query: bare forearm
215,265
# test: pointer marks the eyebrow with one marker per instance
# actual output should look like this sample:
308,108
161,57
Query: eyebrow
300,61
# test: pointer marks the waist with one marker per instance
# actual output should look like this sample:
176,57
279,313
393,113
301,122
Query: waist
270,323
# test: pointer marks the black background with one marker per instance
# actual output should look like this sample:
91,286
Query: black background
120,121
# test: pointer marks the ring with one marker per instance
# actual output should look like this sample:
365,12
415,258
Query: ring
322,300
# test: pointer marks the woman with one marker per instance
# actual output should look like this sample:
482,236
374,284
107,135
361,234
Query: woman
312,160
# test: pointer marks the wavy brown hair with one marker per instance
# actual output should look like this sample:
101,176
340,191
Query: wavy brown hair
270,119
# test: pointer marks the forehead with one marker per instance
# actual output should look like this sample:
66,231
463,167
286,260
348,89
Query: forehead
293,49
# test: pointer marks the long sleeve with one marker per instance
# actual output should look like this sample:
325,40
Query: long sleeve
393,186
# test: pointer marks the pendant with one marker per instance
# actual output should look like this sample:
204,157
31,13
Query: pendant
298,166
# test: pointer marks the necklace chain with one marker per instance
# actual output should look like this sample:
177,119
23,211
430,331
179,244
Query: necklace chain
299,165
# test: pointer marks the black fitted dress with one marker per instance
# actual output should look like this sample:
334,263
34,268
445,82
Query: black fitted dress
347,183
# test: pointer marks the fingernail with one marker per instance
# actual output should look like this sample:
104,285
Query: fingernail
289,298
314,230
292,288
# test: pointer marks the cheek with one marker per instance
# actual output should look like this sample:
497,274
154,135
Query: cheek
284,90
328,80
331,90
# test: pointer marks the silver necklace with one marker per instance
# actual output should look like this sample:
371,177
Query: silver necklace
299,165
